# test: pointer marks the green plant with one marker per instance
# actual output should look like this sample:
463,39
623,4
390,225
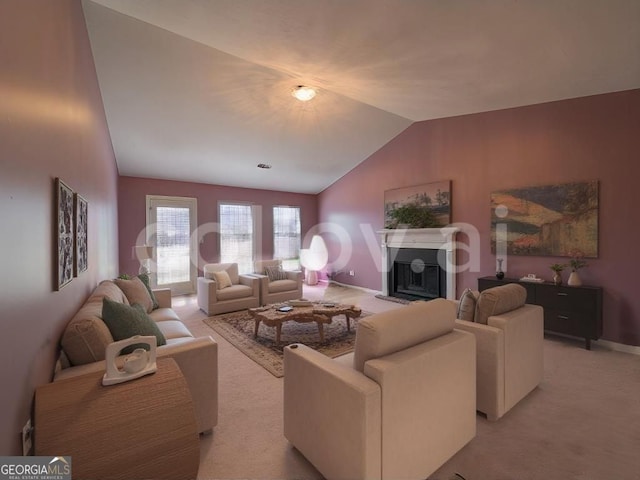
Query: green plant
558,267
412,215
577,260
124,276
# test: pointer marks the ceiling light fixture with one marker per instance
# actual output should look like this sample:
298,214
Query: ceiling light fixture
264,165
302,93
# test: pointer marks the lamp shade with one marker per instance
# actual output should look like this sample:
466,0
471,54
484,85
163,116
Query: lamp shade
316,256
143,252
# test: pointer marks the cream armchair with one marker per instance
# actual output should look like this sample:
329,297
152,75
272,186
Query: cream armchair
398,407
277,290
509,344
218,295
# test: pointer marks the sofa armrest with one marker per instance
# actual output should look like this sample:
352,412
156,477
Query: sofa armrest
523,350
198,360
163,297
250,281
295,275
332,414
490,362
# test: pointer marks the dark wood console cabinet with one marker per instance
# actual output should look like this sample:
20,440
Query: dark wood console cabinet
573,311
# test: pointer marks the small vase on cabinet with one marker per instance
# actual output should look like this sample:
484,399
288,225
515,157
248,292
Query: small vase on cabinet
574,280
557,278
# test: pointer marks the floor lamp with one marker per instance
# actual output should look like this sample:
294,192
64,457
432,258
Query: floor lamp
313,259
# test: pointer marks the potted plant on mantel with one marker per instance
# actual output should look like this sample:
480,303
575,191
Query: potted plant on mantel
576,263
412,215
557,275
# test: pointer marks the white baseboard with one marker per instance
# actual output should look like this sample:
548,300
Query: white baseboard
363,289
618,347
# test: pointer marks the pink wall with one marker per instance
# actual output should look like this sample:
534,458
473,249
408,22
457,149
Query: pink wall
52,124
591,138
132,194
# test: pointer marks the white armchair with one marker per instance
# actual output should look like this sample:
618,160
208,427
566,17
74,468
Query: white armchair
220,293
276,290
509,343
398,407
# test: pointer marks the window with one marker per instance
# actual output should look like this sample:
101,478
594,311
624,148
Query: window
170,222
286,236
237,235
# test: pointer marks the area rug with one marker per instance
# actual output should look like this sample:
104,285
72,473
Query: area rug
237,328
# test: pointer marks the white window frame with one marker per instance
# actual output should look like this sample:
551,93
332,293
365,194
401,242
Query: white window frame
181,288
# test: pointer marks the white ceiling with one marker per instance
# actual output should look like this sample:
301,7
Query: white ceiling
199,90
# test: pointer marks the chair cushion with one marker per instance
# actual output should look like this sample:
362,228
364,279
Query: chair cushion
234,291
467,306
222,279
497,300
231,269
125,321
174,329
388,332
275,273
136,292
278,286
164,315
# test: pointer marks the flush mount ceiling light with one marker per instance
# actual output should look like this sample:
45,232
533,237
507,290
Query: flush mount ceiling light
302,93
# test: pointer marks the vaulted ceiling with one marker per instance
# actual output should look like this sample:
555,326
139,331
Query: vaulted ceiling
200,90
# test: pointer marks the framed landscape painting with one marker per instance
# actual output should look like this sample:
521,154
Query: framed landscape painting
552,220
81,229
64,234
420,206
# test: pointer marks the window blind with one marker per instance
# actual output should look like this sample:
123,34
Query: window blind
236,236
286,236
173,234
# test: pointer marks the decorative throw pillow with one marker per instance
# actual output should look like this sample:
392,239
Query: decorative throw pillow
467,306
145,279
136,292
222,279
125,321
275,273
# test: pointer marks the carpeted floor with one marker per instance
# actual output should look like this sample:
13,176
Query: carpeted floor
238,329
581,423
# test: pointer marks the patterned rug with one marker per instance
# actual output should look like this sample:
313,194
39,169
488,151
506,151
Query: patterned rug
238,327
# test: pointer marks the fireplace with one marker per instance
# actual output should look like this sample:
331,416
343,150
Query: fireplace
415,274
419,264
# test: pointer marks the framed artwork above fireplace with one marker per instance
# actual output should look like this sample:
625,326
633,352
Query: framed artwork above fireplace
411,207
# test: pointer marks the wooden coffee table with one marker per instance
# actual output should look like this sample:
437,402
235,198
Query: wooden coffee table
319,312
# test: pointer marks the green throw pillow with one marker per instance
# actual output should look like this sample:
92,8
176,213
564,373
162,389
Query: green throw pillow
125,321
145,279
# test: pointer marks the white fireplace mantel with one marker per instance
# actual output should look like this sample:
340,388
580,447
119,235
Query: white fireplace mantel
425,238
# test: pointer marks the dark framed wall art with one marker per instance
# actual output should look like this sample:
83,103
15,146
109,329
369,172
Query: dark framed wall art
81,231
64,234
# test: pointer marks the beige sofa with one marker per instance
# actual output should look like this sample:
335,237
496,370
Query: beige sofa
398,407
243,293
509,344
86,337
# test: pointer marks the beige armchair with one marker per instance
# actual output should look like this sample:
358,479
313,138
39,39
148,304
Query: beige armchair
220,293
277,290
509,344
399,406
